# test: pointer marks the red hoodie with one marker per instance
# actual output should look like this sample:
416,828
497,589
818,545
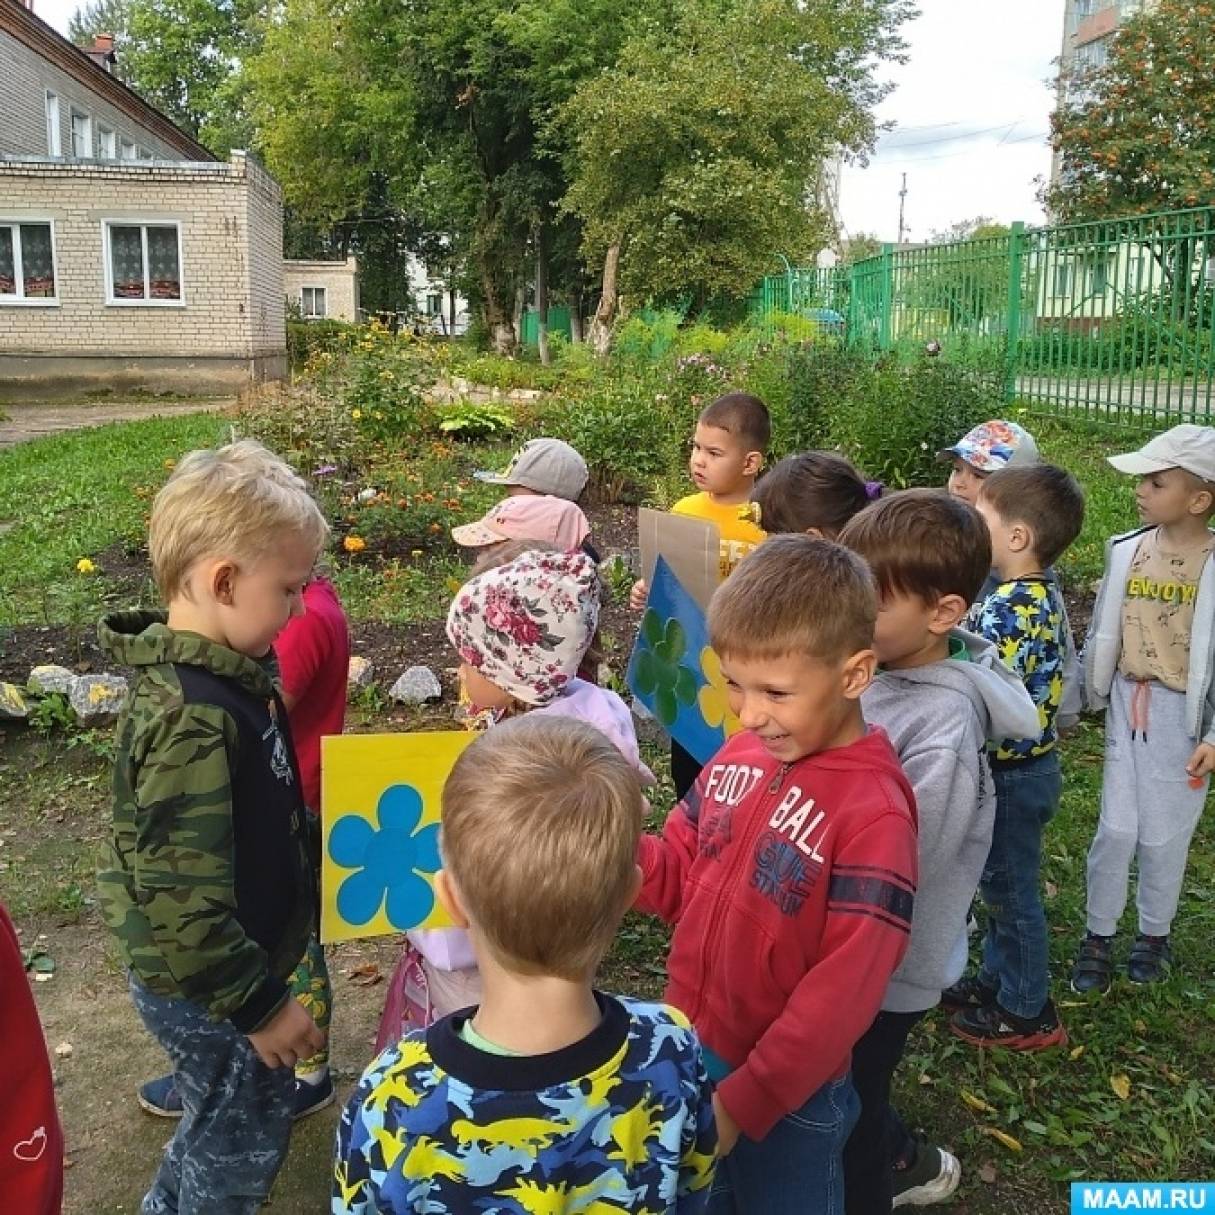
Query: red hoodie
792,887
31,1143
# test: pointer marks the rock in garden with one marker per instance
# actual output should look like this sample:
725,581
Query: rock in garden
13,706
360,673
417,686
97,699
50,678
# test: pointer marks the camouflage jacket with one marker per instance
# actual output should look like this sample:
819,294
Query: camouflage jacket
205,879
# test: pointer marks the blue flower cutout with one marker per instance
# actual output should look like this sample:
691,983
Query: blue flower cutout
388,861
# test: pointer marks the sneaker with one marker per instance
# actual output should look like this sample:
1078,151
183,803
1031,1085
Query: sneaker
991,1025
1094,968
309,1098
160,1097
930,1178
1150,961
968,993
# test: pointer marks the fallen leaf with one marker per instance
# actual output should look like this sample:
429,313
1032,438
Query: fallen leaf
1140,1027
1075,1052
976,1103
1013,1145
1121,1084
925,1078
367,975
987,1174
63,1050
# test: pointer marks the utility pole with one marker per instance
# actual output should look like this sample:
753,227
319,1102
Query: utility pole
902,200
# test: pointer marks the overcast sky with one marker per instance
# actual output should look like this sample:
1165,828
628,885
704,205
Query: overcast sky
970,108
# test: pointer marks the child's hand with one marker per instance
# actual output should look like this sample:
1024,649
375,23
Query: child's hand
289,1036
727,1128
1201,763
638,595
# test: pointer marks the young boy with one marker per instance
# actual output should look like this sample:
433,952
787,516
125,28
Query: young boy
1033,514
549,1095
542,466
940,694
205,880
1150,659
728,446
789,871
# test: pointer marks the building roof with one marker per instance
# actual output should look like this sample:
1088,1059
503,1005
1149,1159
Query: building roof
30,30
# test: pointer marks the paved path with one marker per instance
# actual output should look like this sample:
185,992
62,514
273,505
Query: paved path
21,422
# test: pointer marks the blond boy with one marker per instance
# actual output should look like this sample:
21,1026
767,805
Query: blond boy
205,880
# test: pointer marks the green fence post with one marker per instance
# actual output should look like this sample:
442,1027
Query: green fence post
1016,246
886,299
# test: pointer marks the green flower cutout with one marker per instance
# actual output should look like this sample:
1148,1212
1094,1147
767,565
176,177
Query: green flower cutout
659,672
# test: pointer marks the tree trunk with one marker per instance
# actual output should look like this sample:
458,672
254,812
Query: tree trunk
576,323
497,319
600,335
542,294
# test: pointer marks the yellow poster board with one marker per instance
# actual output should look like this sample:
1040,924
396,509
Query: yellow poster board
380,831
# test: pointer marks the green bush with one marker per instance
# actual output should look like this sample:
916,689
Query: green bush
894,419
469,420
818,379
645,337
308,338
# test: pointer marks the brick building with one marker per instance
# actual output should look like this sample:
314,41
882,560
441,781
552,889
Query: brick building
129,256
323,290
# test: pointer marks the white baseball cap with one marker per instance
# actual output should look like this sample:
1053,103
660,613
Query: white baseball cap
547,466
1186,446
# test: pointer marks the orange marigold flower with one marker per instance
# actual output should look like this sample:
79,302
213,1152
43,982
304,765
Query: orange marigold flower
354,544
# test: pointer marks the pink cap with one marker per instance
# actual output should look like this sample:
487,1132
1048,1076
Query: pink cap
527,517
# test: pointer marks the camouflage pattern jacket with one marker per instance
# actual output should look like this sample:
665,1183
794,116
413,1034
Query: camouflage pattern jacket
205,879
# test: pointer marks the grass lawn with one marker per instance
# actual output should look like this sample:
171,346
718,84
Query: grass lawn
1133,1097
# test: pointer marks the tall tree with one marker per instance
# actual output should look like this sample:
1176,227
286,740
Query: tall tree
1138,134
695,156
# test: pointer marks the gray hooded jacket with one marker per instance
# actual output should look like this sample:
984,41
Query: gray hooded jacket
939,718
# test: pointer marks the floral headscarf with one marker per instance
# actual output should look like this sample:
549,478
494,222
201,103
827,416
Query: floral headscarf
526,625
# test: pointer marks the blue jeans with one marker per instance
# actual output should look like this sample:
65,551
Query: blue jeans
797,1167
236,1113
1016,960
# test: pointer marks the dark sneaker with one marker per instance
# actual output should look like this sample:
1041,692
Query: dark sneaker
992,1026
309,1098
930,1178
1094,968
160,1097
1150,960
968,993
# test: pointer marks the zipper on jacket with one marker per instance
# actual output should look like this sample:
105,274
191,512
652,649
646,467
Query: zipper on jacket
778,778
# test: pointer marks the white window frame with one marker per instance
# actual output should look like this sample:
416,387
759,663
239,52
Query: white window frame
128,149
107,143
54,128
20,300
315,316
143,223
73,114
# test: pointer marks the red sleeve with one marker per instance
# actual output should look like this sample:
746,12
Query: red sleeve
665,861
31,1143
301,648
865,935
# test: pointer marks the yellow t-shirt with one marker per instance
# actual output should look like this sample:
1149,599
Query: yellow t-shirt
738,536
1158,611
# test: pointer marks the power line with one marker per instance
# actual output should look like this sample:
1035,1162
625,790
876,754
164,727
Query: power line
919,143
963,152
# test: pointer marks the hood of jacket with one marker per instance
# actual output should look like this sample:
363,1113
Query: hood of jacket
999,698
142,638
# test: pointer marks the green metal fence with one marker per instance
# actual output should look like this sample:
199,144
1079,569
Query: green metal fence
1113,320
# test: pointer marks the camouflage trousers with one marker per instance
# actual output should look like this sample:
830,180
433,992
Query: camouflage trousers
310,986
236,1120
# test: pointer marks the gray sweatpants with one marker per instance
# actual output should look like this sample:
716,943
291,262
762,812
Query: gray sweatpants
1148,808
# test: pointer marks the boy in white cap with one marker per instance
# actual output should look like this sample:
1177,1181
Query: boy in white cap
542,466
1150,658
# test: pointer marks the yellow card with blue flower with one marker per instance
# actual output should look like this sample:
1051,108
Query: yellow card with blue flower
380,831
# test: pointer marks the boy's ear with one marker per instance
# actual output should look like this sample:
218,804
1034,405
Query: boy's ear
1020,537
949,612
449,896
1201,502
220,580
858,673
753,463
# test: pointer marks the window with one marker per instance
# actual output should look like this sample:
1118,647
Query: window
142,262
144,154
1063,278
107,143
53,146
434,304
1099,275
82,136
313,305
129,150
27,263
